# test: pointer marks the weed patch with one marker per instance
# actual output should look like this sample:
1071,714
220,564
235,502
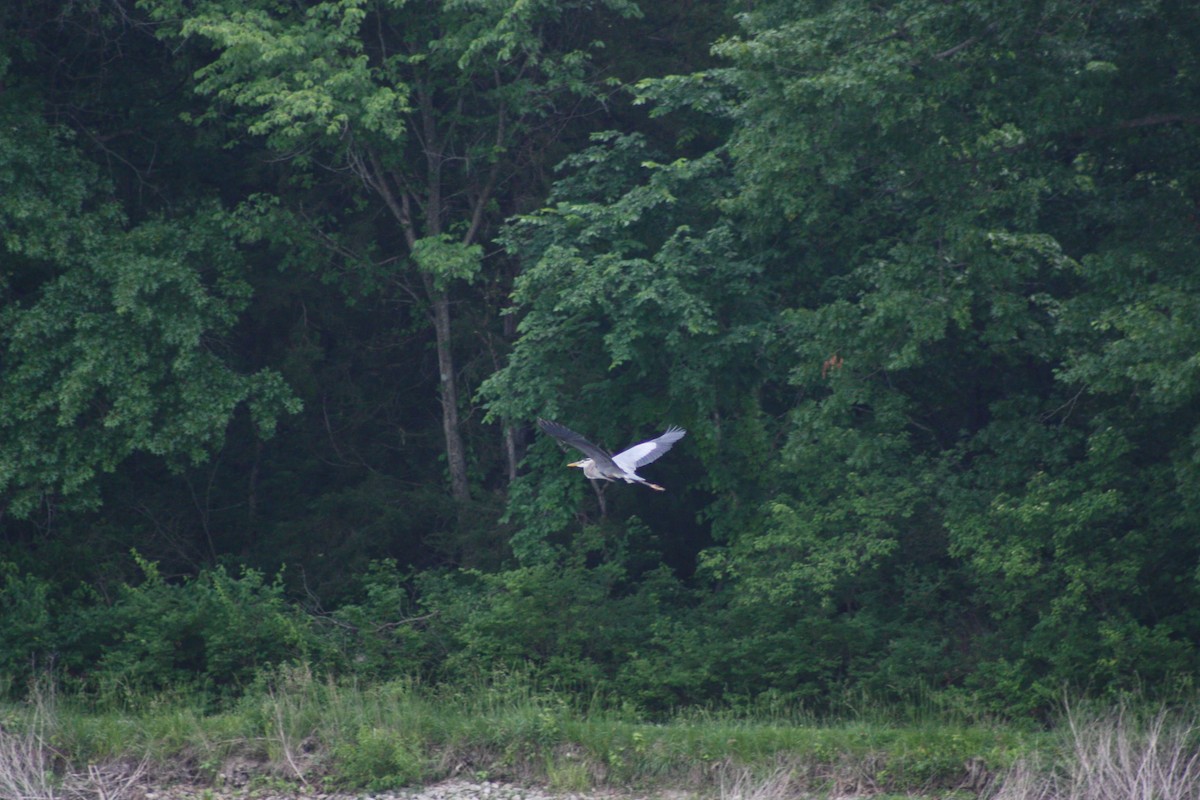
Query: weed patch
306,731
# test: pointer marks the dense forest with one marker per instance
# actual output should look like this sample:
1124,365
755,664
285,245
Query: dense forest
286,284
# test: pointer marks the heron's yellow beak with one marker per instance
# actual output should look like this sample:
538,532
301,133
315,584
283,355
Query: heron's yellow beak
576,464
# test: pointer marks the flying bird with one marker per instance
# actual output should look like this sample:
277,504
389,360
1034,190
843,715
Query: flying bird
600,465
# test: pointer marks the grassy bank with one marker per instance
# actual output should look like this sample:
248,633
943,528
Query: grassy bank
309,732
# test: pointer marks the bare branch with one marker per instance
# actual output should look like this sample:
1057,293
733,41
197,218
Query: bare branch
958,48
485,193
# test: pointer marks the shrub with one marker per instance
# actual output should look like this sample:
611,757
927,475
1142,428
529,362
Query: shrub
25,623
379,759
382,634
211,632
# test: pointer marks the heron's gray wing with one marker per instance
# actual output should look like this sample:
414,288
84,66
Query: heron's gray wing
644,453
568,436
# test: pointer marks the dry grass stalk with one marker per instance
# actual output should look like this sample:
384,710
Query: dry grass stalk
25,768
31,769
1118,757
741,783
289,749
112,781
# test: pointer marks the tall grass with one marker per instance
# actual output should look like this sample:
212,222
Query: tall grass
1122,754
25,766
308,731
32,767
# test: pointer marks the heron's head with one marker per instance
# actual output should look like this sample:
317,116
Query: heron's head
584,464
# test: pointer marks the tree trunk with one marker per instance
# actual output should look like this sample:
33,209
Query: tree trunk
599,487
456,458
510,450
513,439
439,299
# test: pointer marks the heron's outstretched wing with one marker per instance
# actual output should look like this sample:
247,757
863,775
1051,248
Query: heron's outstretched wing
644,453
568,436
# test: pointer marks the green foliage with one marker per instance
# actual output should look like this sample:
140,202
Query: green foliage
209,634
920,280
937,158
634,296
619,246
108,330
381,635
425,112
378,760
446,260
26,634
212,633
940,353
310,77
389,735
565,621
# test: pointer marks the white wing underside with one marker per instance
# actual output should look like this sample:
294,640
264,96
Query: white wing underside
640,454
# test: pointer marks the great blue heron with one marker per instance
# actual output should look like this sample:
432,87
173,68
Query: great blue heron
600,465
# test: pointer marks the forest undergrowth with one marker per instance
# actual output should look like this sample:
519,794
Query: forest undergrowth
302,733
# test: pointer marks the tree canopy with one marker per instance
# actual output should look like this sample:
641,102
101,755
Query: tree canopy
285,285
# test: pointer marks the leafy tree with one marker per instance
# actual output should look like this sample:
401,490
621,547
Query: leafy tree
947,176
919,278
108,331
955,244
427,110
633,297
